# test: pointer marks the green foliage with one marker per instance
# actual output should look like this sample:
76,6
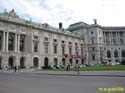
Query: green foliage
94,68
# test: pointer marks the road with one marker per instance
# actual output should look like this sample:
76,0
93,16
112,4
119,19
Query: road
41,83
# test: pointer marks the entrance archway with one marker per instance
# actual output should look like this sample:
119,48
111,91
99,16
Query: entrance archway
55,62
36,62
22,62
11,62
123,62
70,61
77,61
63,61
46,63
82,61
0,63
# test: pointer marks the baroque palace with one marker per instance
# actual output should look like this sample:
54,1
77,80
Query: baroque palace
33,45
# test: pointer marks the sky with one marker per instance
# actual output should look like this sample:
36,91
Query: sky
107,12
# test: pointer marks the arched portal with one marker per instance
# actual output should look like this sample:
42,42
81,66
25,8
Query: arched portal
123,53
36,62
22,62
63,61
0,62
70,61
55,62
77,61
11,62
123,62
46,63
82,61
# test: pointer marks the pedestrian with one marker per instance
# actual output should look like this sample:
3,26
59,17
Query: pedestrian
6,68
68,67
15,69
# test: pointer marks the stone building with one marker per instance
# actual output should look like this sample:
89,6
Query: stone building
101,44
34,45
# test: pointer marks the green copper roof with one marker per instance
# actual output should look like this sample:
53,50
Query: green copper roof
76,26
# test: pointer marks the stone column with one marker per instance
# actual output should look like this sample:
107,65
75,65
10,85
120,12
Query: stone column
15,42
17,61
18,43
5,61
124,37
4,41
118,38
7,36
111,38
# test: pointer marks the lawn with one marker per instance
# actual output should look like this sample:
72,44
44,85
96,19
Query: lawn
94,68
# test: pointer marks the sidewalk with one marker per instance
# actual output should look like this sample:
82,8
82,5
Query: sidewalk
70,73
83,73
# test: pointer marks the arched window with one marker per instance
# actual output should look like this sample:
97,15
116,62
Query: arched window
11,42
115,53
22,43
123,53
0,40
108,54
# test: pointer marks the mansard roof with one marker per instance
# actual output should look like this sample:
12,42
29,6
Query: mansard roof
12,17
113,27
77,25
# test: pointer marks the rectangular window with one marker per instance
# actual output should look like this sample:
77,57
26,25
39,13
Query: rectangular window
121,41
55,49
54,40
35,37
22,43
76,49
100,40
70,50
63,50
92,40
46,48
81,51
35,47
93,56
46,39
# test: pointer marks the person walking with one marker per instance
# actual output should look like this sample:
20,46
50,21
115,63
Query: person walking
15,69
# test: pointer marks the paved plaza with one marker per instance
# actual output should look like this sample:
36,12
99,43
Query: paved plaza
60,82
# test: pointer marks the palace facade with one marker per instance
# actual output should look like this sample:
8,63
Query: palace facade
34,45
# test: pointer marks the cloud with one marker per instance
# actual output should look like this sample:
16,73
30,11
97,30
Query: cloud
107,12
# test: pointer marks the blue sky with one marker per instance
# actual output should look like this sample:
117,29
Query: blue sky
107,12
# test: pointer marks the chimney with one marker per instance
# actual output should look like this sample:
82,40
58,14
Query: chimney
60,25
95,21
